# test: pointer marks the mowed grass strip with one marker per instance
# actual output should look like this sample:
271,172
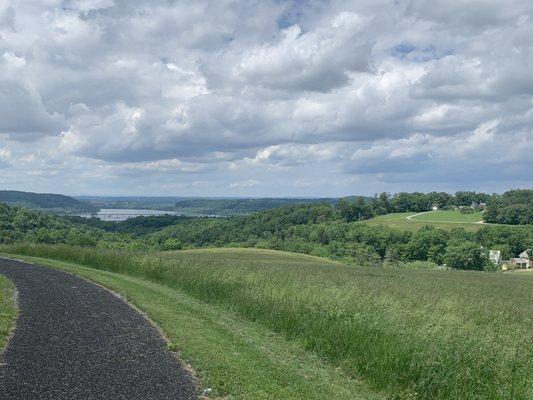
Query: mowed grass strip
235,358
449,216
413,334
400,221
8,310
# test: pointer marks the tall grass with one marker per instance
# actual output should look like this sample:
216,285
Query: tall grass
414,334
7,311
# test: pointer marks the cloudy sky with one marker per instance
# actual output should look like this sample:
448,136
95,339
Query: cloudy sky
265,97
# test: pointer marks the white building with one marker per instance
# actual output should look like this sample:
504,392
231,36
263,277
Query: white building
495,257
522,261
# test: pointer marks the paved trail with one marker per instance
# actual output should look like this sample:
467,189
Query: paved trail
410,217
75,340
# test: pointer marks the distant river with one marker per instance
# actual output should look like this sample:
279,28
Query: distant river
122,214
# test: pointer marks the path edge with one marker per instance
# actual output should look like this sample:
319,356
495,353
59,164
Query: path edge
11,333
174,353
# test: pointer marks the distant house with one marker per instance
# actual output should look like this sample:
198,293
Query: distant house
522,261
478,206
435,207
495,256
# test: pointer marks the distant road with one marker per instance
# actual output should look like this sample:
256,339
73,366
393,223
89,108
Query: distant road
410,217
75,340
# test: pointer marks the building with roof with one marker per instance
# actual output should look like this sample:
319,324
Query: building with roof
523,261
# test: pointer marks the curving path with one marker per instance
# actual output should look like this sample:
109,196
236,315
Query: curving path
410,217
76,340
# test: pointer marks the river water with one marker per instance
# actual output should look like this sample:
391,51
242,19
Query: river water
122,214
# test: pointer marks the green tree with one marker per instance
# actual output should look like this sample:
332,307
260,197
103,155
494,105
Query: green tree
429,243
466,255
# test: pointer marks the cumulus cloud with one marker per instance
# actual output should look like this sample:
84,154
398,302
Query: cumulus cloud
318,60
23,116
4,158
314,98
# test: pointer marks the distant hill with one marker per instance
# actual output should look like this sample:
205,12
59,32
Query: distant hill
131,202
56,203
201,206
241,206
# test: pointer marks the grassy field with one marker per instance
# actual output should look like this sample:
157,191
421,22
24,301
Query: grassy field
440,219
449,216
7,310
236,358
410,334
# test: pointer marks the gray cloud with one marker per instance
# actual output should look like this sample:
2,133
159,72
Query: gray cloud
22,114
342,96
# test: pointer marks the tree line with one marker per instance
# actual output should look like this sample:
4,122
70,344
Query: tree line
316,229
322,230
514,207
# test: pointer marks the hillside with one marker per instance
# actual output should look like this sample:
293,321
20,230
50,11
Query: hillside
443,219
318,230
201,206
131,202
241,206
46,201
409,334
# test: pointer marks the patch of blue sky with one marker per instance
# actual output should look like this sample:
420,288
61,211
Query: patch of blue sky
402,50
408,51
295,10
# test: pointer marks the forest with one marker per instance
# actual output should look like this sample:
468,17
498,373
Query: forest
315,229
514,207
46,201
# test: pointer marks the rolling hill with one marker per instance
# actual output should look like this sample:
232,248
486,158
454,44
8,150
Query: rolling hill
56,203
202,206
413,221
262,324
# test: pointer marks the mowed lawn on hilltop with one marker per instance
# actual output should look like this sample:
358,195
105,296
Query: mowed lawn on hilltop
449,216
445,219
421,334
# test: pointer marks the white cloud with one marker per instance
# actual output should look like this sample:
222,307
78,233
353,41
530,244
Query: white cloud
244,184
353,96
318,60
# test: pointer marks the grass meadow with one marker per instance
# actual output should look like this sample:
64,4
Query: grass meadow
7,310
440,219
450,216
409,334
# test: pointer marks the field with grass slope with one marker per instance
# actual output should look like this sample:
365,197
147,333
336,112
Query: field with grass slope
441,219
7,310
408,334
234,357
449,216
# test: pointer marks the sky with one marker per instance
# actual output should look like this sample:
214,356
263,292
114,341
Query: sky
265,98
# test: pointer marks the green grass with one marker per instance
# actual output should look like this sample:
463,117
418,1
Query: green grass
7,310
440,219
237,358
449,216
411,334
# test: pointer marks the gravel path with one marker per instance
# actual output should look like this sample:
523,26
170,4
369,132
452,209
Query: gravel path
76,340
410,217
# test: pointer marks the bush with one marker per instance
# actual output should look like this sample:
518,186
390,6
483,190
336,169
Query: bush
171,244
466,255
